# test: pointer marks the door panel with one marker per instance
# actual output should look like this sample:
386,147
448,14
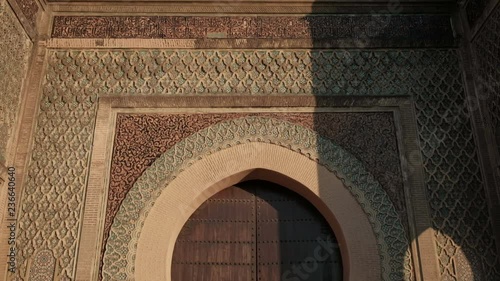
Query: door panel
288,229
256,230
217,242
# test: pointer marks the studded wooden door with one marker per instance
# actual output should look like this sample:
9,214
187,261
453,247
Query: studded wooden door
256,230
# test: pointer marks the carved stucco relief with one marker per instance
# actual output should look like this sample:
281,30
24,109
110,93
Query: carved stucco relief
487,52
14,55
368,136
56,182
43,266
400,29
392,242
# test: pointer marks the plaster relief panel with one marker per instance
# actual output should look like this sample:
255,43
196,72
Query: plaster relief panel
141,139
487,52
14,55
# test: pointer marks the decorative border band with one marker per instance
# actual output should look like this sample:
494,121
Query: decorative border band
327,31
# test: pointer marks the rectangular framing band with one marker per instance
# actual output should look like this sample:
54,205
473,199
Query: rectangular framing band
91,233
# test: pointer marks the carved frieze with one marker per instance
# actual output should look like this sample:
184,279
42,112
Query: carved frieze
387,30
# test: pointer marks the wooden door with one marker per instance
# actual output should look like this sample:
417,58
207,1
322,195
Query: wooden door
256,230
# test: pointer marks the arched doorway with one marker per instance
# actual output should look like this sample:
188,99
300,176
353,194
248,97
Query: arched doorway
256,230
350,208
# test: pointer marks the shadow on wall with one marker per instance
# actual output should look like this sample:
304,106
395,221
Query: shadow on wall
385,54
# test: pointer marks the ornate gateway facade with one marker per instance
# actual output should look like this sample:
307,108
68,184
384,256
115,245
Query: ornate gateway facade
246,140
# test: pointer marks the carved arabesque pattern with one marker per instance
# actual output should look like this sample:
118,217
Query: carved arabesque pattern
424,30
55,186
43,266
14,55
487,52
265,72
454,183
53,194
122,243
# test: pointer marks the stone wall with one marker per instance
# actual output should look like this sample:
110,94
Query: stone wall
76,79
429,72
15,49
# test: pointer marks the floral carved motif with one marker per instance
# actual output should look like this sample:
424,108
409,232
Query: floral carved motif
29,8
43,266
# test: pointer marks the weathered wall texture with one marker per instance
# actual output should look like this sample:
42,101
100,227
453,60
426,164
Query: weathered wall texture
15,49
56,180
